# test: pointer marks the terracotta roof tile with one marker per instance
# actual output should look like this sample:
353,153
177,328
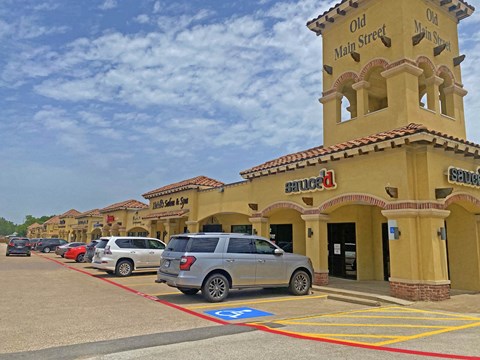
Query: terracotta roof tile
52,220
34,225
94,212
316,152
338,5
202,182
70,213
124,205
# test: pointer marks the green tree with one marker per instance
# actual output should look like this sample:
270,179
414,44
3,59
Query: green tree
29,220
6,227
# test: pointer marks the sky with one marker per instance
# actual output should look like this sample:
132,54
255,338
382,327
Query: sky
104,100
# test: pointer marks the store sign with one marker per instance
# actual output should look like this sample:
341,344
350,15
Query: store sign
110,219
363,39
137,220
82,222
431,35
325,180
160,204
464,177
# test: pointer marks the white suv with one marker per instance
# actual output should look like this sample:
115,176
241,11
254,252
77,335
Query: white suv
123,254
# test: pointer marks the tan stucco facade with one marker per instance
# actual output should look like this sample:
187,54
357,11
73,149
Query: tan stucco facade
394,192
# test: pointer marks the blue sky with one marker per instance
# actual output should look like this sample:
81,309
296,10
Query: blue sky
103,100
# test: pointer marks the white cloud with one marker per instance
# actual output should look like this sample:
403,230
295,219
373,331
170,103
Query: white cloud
108,4
142,19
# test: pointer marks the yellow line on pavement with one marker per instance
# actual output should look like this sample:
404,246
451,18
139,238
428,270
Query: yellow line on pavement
431,333
288,322
403,317
256,302
361,336
443,313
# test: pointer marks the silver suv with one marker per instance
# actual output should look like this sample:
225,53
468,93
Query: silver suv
123,254
218,262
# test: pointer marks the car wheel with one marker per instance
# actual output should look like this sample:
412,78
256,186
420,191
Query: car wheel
29,254
46,250
299,283
110,272
188,291
124,268
80,258
7,254
215,288
63,255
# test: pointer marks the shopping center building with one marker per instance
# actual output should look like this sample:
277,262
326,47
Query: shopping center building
394,191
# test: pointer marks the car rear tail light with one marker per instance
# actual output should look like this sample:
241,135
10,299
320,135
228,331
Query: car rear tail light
186,262
107,250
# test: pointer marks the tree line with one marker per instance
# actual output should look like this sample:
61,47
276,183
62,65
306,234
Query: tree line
8,227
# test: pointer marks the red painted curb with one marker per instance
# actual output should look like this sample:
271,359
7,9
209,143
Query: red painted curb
265,328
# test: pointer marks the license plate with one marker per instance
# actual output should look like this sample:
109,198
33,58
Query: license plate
166,264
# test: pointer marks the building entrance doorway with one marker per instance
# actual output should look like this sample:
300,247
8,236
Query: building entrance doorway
342,250
386,252
212,228
282,235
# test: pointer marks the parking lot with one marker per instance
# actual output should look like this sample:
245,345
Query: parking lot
48,301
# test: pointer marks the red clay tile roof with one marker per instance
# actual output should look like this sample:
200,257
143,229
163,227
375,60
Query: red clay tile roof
124,205
337,10
34,225
165,214
70,213
202,182
52,220
316,154
94,212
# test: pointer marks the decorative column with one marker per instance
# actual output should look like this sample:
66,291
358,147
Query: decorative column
433,95
193,226
317,245
260,226
361,88
418,258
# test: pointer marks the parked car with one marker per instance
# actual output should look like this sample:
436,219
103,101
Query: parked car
47,245
33,243
62,249
122,254
217,262
90,250
76,253
18,246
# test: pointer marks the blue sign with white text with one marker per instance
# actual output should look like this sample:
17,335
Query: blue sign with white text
237,313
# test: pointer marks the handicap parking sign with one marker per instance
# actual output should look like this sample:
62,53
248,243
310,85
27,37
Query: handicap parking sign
237,313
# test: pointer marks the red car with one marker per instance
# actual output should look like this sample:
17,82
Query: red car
76,253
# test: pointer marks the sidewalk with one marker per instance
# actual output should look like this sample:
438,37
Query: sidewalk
460,301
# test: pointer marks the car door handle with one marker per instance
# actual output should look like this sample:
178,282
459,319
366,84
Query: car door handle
230,260
133,252
152,252
261,260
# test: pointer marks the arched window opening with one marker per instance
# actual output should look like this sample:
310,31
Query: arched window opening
426,88
377,91
446,97
348,102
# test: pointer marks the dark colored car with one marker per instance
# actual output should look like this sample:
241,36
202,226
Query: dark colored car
18,246
47,245
90,251
33,243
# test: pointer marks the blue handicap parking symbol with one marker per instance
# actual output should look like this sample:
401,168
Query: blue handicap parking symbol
237,313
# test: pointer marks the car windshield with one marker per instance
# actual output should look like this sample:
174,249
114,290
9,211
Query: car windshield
20,242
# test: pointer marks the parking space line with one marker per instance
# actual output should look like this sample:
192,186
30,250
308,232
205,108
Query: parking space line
170,293
415,326
141,284
418,336
231,304
405,317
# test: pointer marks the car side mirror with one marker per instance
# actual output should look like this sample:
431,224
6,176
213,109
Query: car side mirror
278,252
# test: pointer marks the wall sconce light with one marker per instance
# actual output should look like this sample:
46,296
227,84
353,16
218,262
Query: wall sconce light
355,56
417,38
392,191
253,206
442,233
309,232
458,60
442,193
308,200
254,231
386,41
221,189
328,69
437,50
